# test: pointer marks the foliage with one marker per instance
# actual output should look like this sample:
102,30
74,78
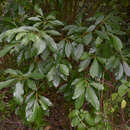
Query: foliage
85,59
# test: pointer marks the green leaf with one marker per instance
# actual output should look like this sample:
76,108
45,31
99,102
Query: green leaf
81,127
122,90
92,119
101,60
75,121
29,97
94,70
79,102
5,50
84,64
87,38
36,75
99,19
51,43
68,49
78,51
64,69
98,41
20,35
97,85
38,10
76,81
53,32
89,119
29,110
40,45
102,34
2,36
117,43
11,71
91,97
5,84
126,68
110,62
91,28
57,23
51,73
73,113
46,101
79,89
29,28
85,56
56,81
119,74
32,110
44,106
31,84
34,19
18,92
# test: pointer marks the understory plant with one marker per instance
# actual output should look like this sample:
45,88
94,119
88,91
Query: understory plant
84,62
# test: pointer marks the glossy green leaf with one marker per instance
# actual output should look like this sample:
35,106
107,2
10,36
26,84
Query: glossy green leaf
122,90
103,35
38,10
119,73
20,35
94,70
57,23
5,50
31,84
101,60
29,97
18,92
32,110
50,75
75,121
5,84
85,56
11,71
91,28
87,38
84,64
79,101
78,51
79,89
40,45
76,81
91,97
117,43
110,62
81,127
97,85
34,19
99,19
53,32
36,75
68,49
56,81
46,101
64,69
89,119
98,41
2,36
51,43
43,105
126,68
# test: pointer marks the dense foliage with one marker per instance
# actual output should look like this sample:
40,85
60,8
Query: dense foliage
80,47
